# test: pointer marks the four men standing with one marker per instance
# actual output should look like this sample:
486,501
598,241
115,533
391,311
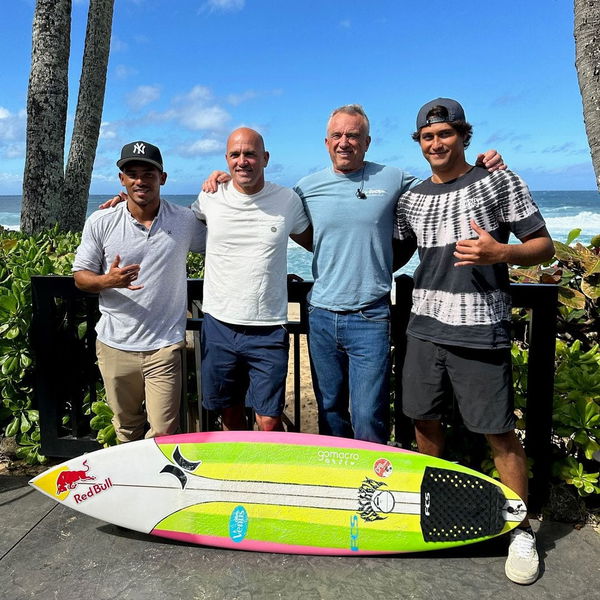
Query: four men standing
459,342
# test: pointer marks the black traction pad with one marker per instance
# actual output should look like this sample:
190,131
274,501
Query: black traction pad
457,506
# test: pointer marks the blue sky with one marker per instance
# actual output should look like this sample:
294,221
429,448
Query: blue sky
182,74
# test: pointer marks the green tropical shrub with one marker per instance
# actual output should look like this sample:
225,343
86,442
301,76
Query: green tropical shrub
21,256
576,407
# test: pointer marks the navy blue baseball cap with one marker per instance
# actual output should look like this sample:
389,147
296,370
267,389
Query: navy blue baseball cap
455,112
140,152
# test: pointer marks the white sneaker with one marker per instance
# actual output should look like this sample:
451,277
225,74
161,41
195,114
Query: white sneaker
523,564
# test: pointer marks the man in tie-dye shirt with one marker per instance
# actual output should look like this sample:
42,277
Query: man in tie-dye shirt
459,341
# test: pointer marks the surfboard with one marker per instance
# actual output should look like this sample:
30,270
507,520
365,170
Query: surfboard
285,492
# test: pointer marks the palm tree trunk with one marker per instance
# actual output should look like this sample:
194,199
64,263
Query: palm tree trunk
587,61
47,97
88,116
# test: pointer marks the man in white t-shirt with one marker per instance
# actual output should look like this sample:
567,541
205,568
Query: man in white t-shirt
244,341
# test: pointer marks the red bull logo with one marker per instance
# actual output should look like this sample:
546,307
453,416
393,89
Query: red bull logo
93,490
68,480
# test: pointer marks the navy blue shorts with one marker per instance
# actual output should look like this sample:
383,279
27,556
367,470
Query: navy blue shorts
479,379
243,363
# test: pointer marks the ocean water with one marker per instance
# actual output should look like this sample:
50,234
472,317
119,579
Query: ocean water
563,211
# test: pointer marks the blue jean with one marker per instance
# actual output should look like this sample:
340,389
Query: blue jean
350,364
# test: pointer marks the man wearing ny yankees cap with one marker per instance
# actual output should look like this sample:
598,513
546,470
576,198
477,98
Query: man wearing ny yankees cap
134,256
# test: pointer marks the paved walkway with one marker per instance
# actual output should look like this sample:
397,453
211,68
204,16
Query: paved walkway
48,551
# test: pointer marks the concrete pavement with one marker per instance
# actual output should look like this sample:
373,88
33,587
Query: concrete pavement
48,551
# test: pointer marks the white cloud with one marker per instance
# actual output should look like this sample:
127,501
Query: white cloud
108,131
124,72
12,126
104,178
199,93
14,150
142,96
209,117
201,147
237,99
11,177
346,24
196,110
117,44
223,6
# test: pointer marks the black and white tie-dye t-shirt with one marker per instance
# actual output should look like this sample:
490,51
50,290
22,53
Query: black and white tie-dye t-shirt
470,305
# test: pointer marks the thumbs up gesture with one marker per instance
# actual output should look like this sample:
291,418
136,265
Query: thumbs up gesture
482,250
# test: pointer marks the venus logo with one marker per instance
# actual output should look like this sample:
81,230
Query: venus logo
238,524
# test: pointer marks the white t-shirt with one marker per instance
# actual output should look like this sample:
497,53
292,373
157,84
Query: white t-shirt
245,270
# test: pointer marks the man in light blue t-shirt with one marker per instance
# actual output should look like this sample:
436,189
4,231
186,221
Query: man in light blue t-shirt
351,206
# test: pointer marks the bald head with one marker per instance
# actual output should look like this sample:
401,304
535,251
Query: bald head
247,158
245,134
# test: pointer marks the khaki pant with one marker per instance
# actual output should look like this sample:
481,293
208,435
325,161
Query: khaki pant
140,387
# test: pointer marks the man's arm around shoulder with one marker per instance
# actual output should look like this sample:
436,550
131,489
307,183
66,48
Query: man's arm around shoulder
304,239
403,251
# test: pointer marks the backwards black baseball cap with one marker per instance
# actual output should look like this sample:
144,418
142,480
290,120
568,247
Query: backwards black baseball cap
455,112
140,152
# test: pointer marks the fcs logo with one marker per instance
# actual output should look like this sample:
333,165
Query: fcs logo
139,148
427,504
354,533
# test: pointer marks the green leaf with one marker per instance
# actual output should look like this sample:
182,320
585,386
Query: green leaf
101,408
12,333
565,252
25,424
8,304
26,361
81,330
12,428
10,365
573,234
571,298
592,291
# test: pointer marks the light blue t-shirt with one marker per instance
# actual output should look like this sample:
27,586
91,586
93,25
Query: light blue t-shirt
352,240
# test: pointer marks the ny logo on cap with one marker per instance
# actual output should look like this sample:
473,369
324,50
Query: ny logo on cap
139,148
